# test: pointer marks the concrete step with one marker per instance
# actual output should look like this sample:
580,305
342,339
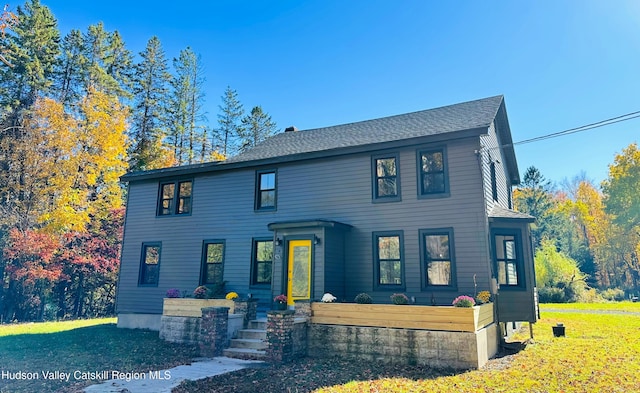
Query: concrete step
248,343
253,333
245,354
258,324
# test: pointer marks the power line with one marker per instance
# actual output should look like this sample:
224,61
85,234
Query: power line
586,127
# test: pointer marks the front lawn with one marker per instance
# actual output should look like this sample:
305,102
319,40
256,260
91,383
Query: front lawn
80,346
599,354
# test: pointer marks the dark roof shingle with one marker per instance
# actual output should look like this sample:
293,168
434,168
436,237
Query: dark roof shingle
459,117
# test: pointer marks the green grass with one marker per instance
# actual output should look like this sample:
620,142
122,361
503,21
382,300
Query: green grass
626,306
599,354
84,346
51,327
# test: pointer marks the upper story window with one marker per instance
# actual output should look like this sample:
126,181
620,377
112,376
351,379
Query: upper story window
175,198
508,258
386,178
433,177
388,254
212,262
266,194
261,261
149,264
436,250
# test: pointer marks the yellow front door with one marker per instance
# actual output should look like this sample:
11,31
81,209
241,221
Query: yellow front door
299,271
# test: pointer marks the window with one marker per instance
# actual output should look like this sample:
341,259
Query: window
266,190
388,254
175,198
386,178
494,182
436,250
149,264
508,259
432,173
212,262
261,261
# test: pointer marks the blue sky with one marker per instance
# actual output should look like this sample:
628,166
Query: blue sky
559,64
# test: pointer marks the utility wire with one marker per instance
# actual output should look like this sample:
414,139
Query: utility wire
586,127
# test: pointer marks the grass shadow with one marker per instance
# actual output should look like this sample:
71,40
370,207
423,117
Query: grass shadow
308,374
83,350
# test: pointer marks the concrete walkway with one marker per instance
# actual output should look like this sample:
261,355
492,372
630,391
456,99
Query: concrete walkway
164,380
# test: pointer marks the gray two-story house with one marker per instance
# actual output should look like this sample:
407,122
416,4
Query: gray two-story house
418,203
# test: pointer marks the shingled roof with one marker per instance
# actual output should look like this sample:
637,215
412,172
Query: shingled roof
470,115
500,213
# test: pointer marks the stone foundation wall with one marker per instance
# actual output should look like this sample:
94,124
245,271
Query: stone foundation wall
186,330
460,350
183,330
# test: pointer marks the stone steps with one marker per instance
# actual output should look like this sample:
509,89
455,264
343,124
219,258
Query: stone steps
251,343
245,354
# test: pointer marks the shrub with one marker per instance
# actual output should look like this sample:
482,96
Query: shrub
363,298
200,292
217,291
399,298
282,298
613,294
551,295
173,293
464,301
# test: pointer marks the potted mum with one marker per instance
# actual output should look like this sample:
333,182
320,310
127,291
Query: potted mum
399,298
280,302
464,301
231,296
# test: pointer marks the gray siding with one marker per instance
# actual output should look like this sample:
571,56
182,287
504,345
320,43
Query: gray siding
491,152
336,189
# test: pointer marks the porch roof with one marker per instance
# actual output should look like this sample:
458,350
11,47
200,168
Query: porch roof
314,223
500,213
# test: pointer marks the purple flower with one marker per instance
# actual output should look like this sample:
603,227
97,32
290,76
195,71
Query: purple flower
173,292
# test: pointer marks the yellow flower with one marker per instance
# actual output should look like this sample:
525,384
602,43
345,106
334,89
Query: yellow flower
231,296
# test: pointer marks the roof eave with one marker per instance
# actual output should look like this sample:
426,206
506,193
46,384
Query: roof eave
216,166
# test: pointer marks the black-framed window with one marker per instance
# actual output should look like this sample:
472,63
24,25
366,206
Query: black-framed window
212,262
261,261
389,259
386,177
438,261
175,198
432,173
494,181
266,190
508,258
149,264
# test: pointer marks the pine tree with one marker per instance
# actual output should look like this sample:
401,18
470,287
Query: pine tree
187,116
109,63
150,89
229,120
256,127
32,48
69,69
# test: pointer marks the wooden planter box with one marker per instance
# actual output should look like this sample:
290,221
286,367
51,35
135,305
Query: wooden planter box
188,307
446,318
